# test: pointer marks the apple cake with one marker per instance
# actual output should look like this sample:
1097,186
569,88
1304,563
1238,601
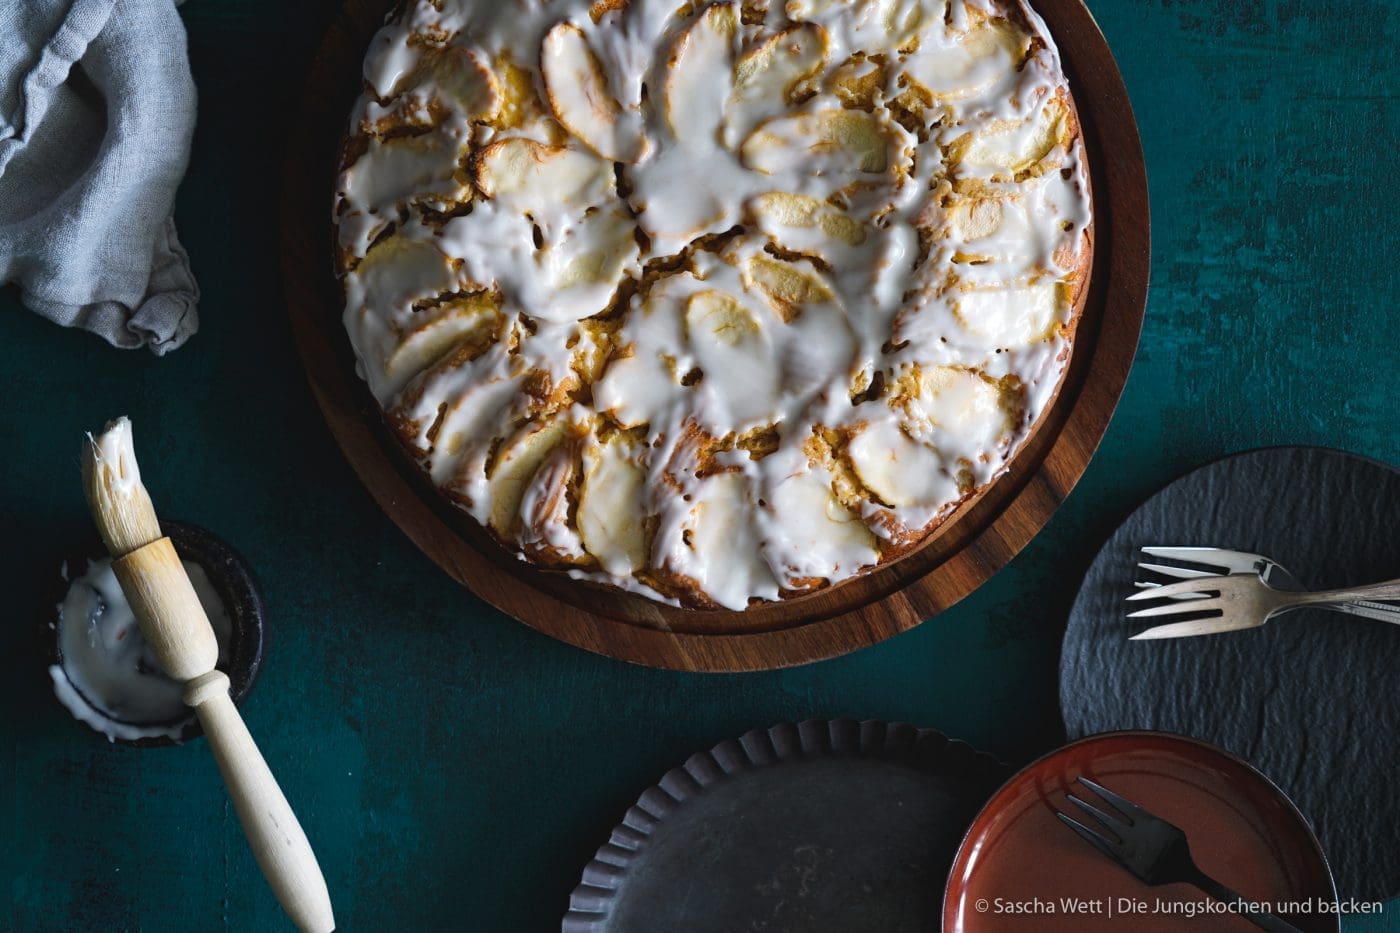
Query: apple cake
713,302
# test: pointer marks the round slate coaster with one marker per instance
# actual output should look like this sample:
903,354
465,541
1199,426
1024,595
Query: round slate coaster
1312,698
820,826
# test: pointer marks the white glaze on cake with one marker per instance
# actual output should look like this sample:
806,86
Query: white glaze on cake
713,302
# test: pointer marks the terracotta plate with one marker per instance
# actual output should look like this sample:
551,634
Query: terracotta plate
1019,864
985,534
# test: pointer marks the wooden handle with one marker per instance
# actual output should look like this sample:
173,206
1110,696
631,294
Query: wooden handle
174,623
168,608
274,834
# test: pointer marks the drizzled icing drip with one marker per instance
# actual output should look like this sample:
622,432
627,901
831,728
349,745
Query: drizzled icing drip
713,302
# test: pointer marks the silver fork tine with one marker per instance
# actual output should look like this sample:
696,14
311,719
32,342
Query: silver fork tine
1126,807
1235,561
1179,608
1149,585
1183,572
1173,572
1198,585
1113,823
1211,626
1089,836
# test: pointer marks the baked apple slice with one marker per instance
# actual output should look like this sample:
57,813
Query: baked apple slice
829,141
1016,315
577,90
768,76
514,467
611,508
898,469
430,335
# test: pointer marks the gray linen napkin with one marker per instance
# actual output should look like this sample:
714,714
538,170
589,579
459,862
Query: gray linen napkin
96,113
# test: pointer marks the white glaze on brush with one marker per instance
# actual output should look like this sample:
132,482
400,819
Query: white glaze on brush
113,449
657,130
109,678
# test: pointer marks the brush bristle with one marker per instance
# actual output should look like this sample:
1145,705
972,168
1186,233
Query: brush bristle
120,505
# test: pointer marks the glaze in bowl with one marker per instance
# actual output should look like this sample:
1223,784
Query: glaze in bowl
237,586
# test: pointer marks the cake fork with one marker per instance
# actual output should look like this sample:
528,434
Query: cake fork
1156,852
1240,601
1210,561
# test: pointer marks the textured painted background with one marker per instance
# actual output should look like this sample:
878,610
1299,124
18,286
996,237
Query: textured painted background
453,768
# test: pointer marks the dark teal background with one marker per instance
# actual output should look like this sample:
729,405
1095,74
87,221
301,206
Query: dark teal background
455,770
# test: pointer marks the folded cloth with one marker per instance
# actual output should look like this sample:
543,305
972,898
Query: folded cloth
96,114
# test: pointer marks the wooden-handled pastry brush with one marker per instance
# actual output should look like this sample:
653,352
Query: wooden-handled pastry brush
174,623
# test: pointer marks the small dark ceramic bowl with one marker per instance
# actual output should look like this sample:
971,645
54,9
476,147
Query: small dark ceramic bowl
237,586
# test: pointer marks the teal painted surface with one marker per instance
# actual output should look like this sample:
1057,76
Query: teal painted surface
454,769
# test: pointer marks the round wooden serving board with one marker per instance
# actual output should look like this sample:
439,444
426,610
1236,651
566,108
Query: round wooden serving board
986,533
